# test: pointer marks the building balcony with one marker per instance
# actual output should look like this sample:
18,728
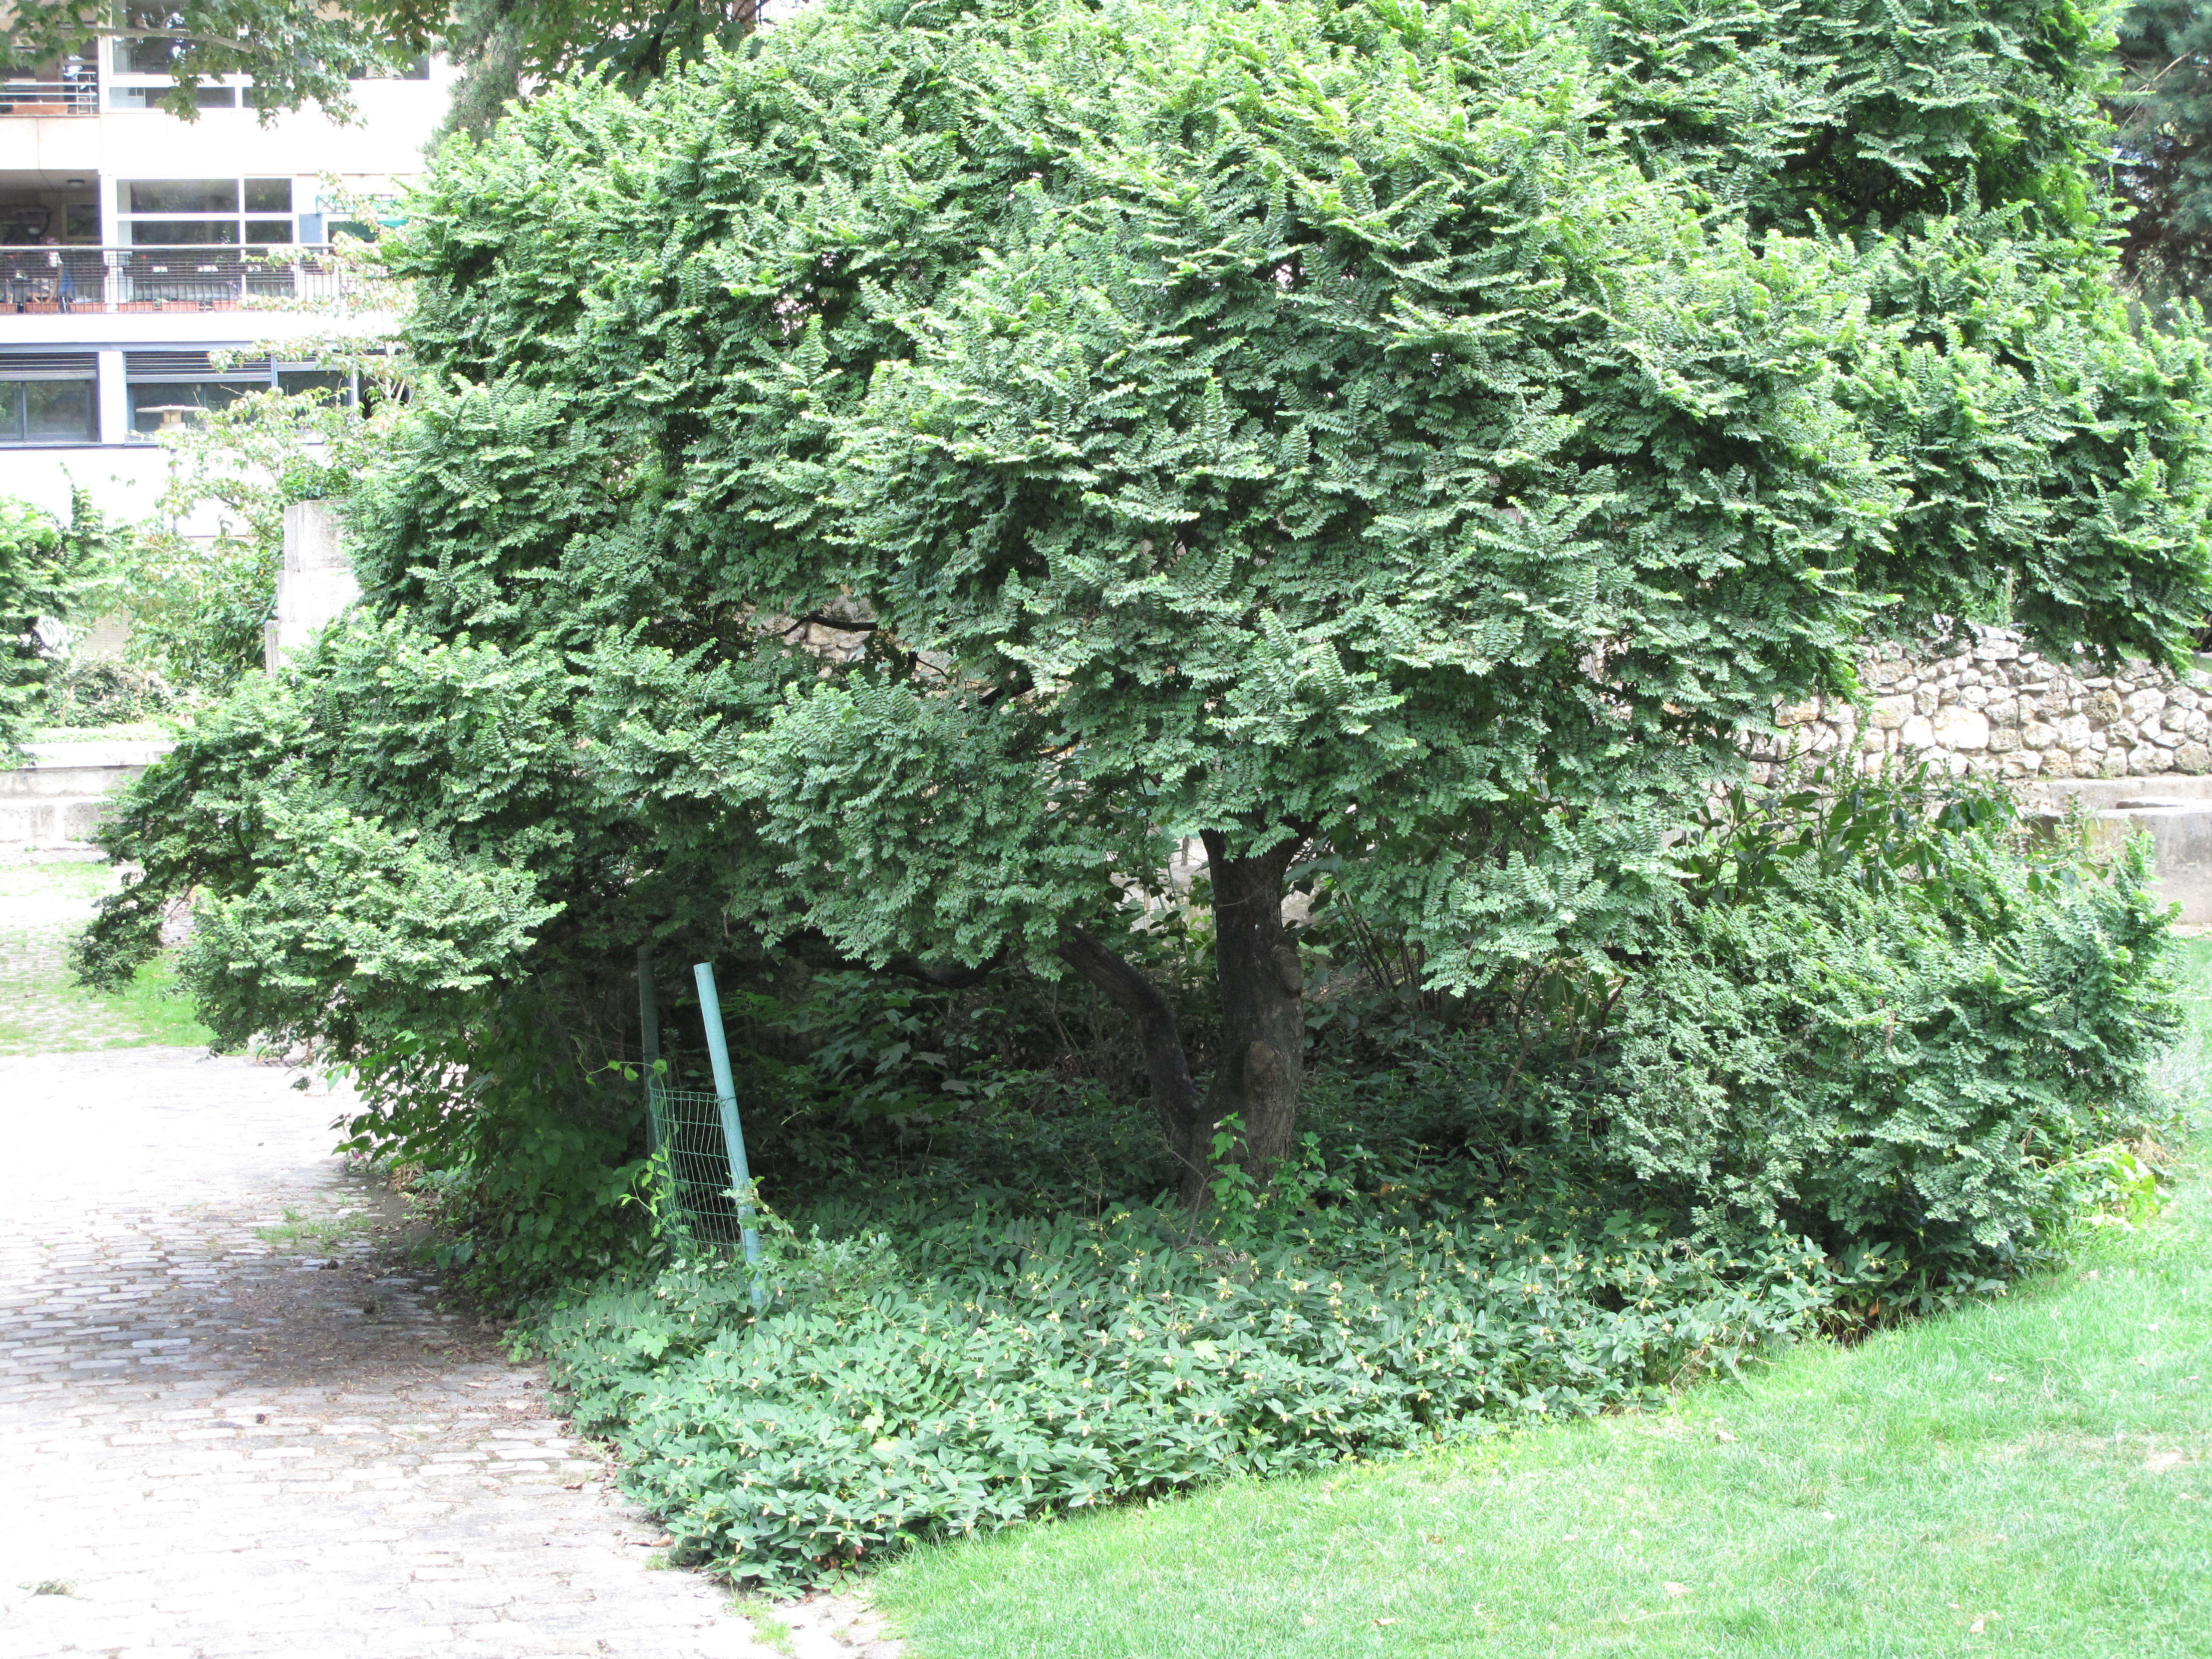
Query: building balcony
73,280
29,100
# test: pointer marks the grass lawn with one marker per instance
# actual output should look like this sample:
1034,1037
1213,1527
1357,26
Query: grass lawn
153,731
2028,1476
43,903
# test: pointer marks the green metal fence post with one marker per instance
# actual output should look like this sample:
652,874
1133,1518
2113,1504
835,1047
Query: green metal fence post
733,1134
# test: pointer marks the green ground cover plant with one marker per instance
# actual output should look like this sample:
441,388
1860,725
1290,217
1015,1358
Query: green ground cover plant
2032,1474
2028,1473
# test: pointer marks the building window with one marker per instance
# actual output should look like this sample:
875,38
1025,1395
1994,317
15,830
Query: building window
205,212
158,403
169,389
48,400
151,97
143,59
417,68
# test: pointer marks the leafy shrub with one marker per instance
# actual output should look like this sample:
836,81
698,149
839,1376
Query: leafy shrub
1022,1366
48,573
1880,1052
102,691
1876,1012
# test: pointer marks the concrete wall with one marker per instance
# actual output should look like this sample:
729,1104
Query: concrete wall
313,585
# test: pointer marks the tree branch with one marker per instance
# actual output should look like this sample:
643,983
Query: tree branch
1175,1096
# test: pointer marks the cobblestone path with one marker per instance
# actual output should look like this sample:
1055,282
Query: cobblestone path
215,1444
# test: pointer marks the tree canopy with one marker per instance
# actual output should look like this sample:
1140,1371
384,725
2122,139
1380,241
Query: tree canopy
302,51
2162,106
1400,447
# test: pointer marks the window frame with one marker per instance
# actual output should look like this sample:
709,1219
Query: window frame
240,219
15,412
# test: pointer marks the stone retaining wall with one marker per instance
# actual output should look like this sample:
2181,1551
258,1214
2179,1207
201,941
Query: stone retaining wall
1999,709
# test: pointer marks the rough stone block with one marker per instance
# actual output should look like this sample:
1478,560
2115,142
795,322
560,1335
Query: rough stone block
1961,728
2193,758
1918,732
1890,713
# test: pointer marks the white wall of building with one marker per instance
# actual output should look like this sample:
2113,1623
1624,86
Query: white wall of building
74,159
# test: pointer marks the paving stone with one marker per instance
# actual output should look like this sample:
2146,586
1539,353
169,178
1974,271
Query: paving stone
388,1504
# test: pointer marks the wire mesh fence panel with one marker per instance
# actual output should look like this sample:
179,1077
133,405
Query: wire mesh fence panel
695,1159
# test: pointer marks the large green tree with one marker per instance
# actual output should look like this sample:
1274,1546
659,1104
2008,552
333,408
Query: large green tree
2162,107
304,51
1404,442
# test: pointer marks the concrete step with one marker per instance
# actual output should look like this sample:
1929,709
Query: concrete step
47,782
2174,807
53,821
60,797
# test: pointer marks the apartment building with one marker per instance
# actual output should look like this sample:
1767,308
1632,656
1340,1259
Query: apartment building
135,245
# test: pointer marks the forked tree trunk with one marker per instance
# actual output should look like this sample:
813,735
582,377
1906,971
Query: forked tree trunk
1262,1067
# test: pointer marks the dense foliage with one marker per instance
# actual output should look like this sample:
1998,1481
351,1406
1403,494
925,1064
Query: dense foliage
2163,109
1879,1055
871,502
49,574
301,52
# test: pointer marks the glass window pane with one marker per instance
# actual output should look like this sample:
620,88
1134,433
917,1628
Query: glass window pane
147,54
151,97
268,195
180,196
11,411
299,380
180,233
55,409
158,403
268,230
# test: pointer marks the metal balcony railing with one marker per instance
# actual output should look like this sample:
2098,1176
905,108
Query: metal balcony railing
77,95
46,280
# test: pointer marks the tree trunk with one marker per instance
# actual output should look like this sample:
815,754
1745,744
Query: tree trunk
1262,1069
1175,1096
